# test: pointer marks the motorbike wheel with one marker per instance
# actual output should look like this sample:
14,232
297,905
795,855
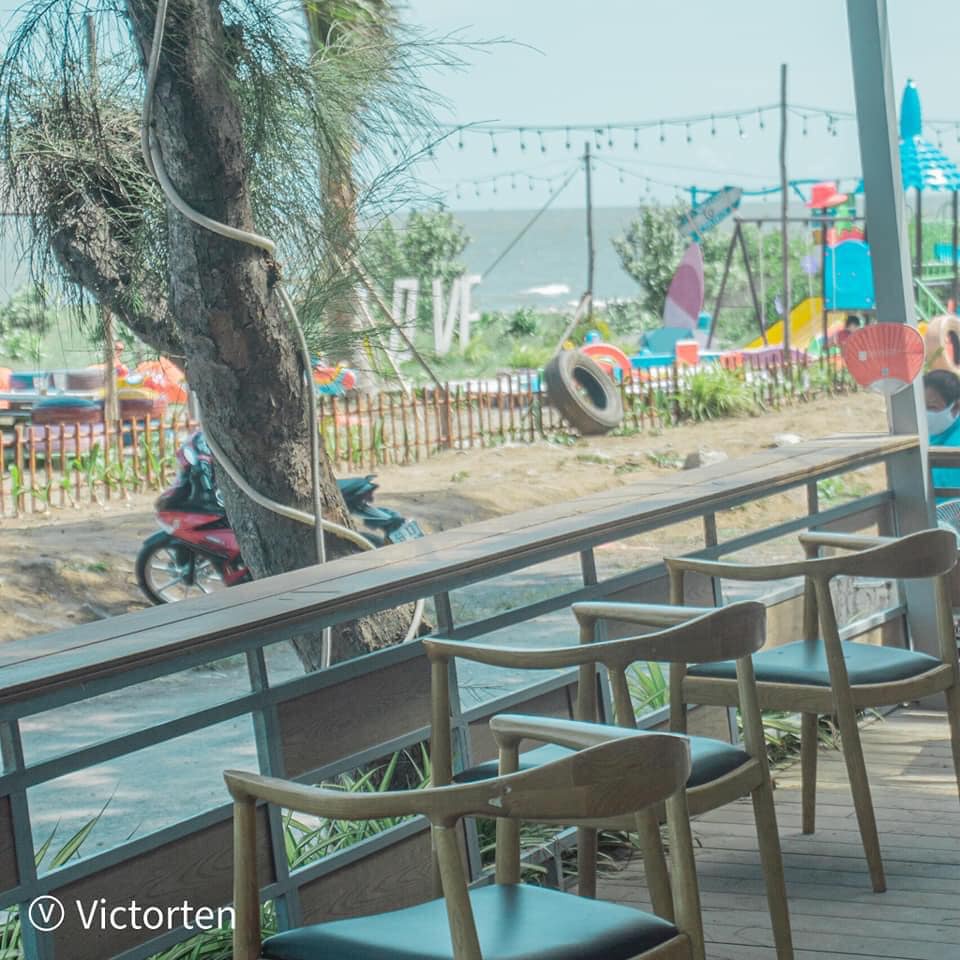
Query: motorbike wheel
168,570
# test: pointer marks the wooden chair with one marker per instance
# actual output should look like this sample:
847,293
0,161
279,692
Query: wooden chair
507,920
720,771
823,675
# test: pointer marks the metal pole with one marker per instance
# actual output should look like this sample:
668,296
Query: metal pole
591,253
953,256
918,236
908,475
784,233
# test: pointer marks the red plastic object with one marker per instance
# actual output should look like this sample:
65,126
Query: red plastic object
884,357
609,357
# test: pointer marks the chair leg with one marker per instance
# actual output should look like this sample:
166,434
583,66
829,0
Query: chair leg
587,862
953,713
768,840
655,864
808,770
860,788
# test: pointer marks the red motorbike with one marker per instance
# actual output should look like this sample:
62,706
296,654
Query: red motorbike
195,552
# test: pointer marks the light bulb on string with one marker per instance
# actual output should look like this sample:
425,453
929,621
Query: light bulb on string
597,141
523,143
663,135
740,130
530,182
543,146
493,143
689,135
456,190
939,138
460,140
804,125
760,122
567,143
610,137
476,189
636,139
620,172
494,185
513,182
713,125
956,130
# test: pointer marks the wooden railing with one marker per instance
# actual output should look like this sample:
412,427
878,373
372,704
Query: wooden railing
321,724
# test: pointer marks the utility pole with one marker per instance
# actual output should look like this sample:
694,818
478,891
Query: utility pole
591,253
784,230
111,411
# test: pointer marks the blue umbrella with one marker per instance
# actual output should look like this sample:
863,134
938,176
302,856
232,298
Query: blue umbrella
922,165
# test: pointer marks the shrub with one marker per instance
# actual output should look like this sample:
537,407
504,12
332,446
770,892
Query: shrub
715,392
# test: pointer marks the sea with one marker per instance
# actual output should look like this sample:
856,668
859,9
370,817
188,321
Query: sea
547,267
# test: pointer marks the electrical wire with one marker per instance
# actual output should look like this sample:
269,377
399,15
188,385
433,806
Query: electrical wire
154,162
553,196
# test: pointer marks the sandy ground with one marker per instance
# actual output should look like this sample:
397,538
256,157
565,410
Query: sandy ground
77,565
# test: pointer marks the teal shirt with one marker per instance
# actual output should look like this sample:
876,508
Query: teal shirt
946,476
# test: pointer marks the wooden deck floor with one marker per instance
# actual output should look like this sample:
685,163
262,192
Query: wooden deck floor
834,914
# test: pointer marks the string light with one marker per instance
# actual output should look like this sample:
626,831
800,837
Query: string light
493,142
689,137
713,125
597,142
460,140
760,118
523,143
740,130
636,139
663,135
568,138
543,146
610,137
804,124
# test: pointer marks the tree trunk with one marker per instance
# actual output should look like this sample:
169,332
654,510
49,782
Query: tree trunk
242,363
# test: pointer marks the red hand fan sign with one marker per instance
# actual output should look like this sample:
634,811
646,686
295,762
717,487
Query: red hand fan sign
884,357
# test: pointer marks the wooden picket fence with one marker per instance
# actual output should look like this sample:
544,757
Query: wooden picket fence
47,467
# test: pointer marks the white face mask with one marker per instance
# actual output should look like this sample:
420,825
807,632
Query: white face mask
939,421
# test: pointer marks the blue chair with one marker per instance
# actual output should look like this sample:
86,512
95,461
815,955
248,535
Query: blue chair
823,675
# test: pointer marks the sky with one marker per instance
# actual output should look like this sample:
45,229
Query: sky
609,61
558,62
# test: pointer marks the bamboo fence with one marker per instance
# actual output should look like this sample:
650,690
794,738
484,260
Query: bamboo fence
58,466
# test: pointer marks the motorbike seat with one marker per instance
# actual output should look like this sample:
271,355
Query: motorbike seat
353,486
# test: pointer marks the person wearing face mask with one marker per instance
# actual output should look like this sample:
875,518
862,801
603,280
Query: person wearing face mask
941,390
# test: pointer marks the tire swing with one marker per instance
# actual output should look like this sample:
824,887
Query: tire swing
578,387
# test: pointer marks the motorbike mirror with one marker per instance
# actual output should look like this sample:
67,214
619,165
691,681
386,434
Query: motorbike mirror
189,454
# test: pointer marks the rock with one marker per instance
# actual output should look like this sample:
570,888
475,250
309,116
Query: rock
703,458
786,439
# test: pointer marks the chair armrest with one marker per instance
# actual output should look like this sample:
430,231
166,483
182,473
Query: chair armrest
649,614
738,571
509,729
512,657
843,541
320,802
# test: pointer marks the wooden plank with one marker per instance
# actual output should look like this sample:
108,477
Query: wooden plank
197,869
834,914
9,874
351,716
408,570
392,878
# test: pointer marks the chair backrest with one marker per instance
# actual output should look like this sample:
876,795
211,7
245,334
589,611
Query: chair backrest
917,556
609,780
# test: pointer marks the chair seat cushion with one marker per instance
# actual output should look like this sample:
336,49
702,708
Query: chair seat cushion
710,759
805,662
513,923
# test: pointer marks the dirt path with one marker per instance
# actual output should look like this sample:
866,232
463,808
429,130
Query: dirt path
76,565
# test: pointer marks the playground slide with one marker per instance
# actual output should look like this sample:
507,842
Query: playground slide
806,323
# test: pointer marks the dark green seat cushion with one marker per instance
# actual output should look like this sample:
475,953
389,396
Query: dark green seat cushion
806,663
710,759
513,923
